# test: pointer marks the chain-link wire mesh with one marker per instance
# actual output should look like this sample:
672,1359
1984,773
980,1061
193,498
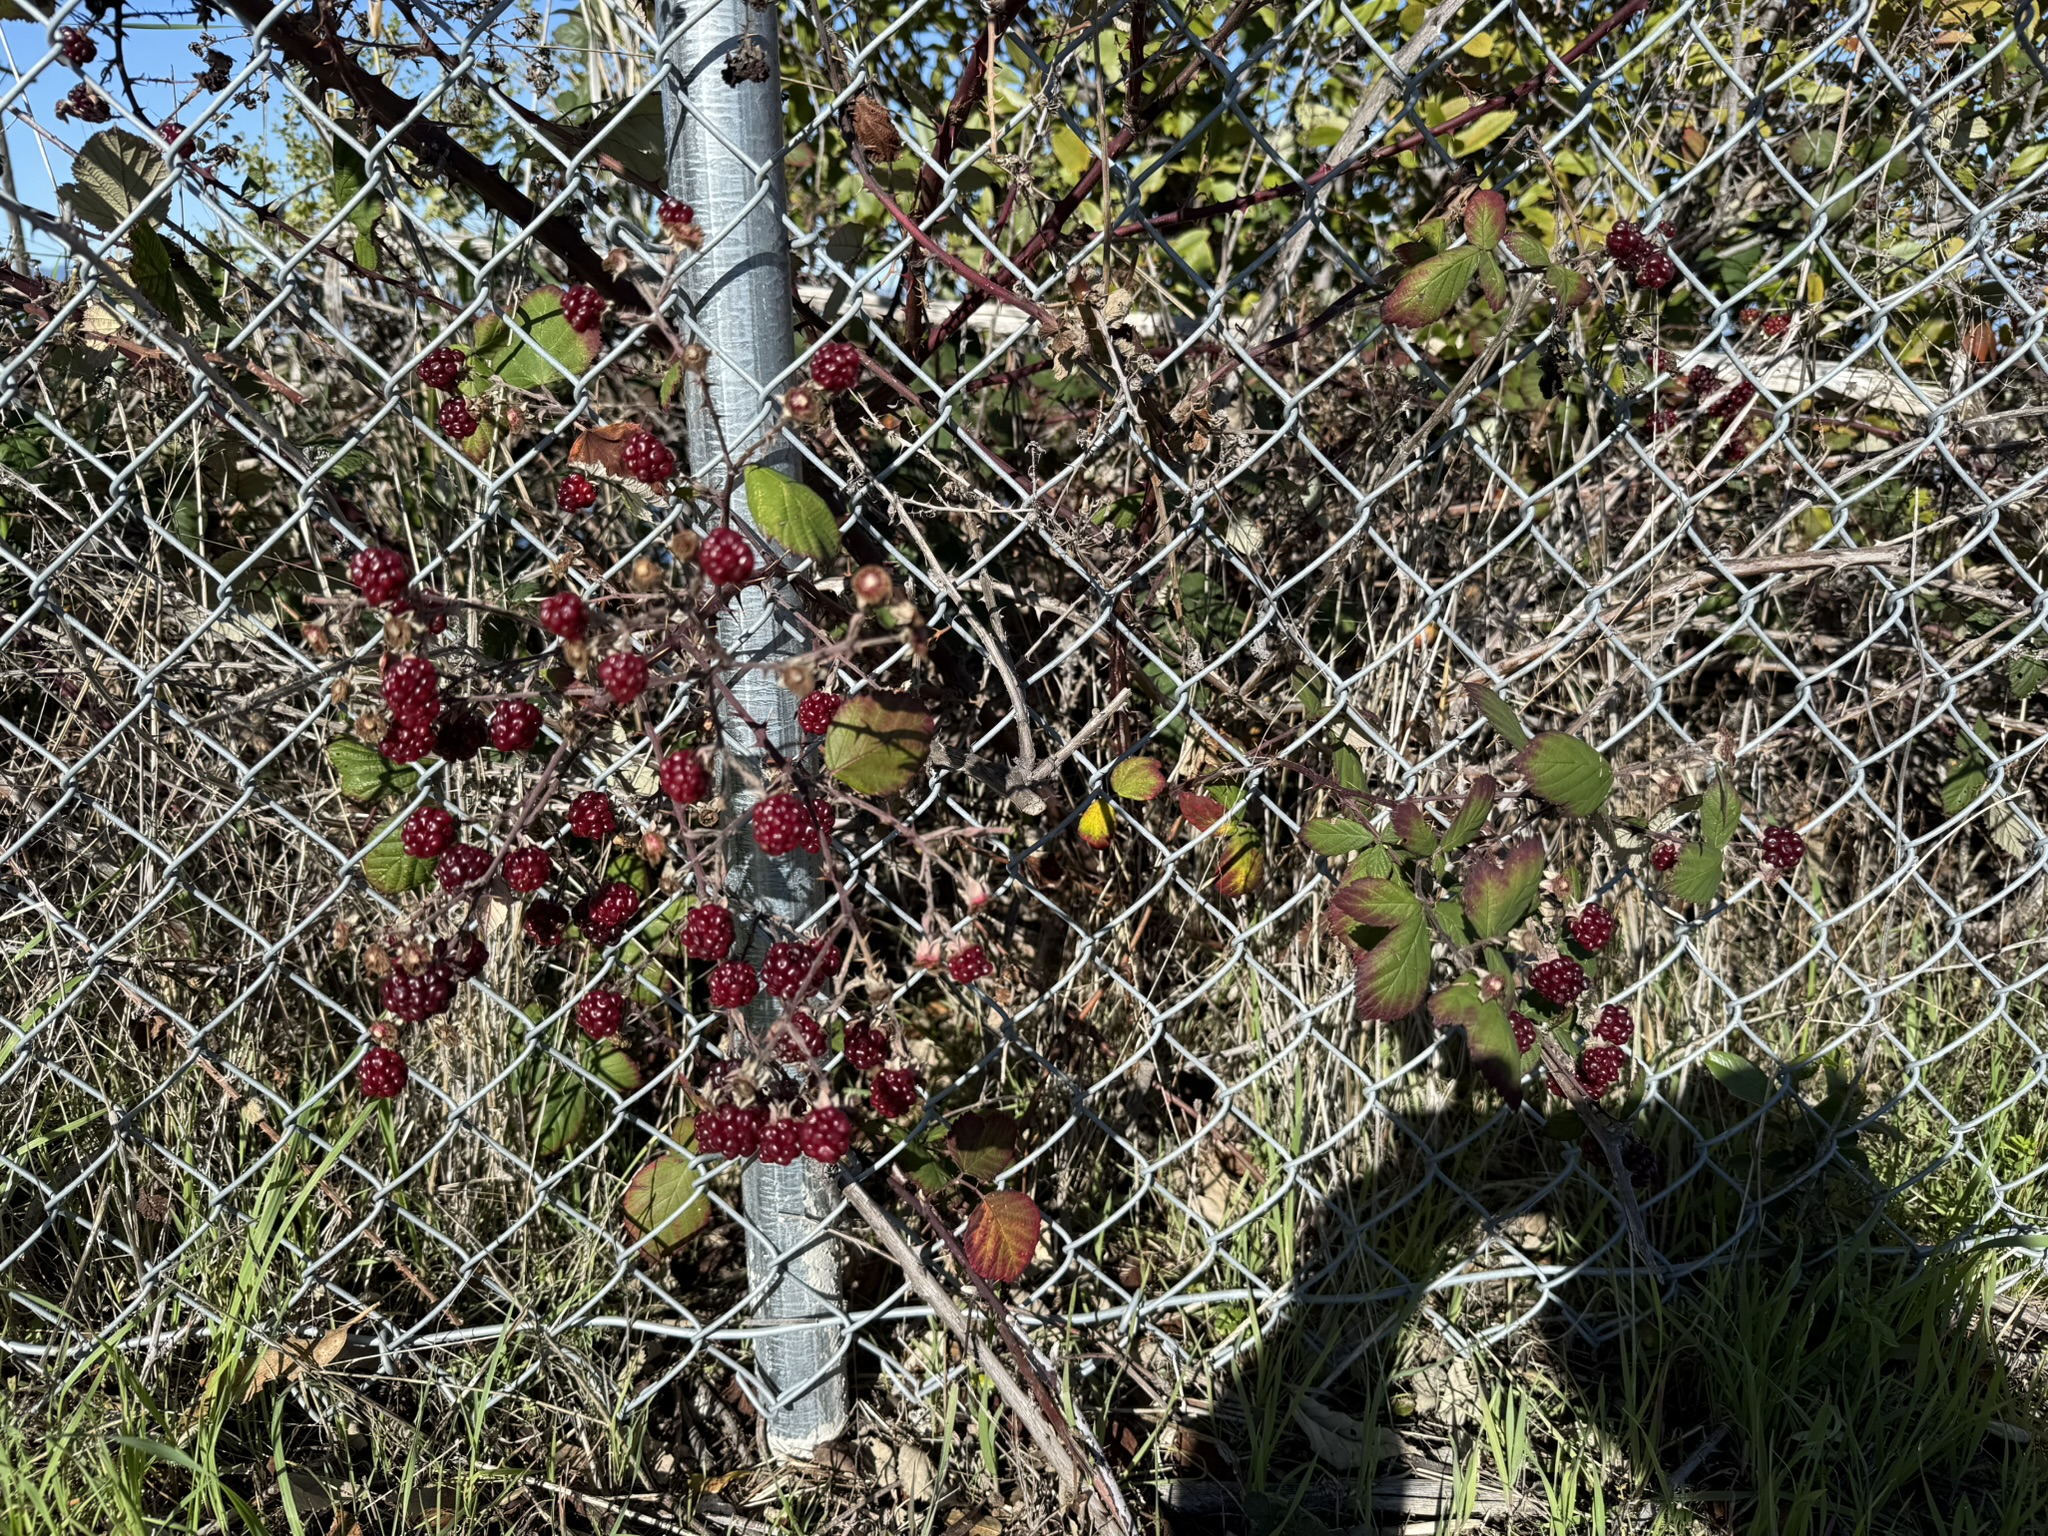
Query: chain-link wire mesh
1135,442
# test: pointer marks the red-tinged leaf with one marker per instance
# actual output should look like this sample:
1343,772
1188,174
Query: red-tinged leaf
1471,817
1526,248
1413,253
1097,826
1499,892
1489,1037
1486,219
1138,778
1572,288
1493,282
1375,904
1202,811
1567,773
1002,1234
1244,863
983,1145
876,743
1416,831
663,1204
1393,976
1426,293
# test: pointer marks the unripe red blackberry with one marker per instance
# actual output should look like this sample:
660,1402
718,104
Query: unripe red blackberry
79,47
1663,857
801,1038
1656,272
1702,379
1777,325
1599,1067
456,420
427,831
582,307
792,969
515,725
674,212
1559,981
416,999
725,557
683,778
781,1142
894,1092
733,984
814,714
865,1048
546,922
379,573
782,825
730,1131
707,932
826,1135
647,459
592,815
381,1074
837,366
408,741
1783,847
1730,401
1615,1026
462,864
1525,1031
1593,927
442,368
564,614
460,734
615,905
411,689
86,104
969,965
529,868
624,675
465,954
171,132
1626,244
575,492
598,1014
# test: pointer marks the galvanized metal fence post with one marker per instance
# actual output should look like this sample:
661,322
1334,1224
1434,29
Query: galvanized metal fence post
725,147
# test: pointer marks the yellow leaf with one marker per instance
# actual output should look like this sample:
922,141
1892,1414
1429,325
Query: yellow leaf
1478,135
1097,824
1074,156
1480,46
1816,290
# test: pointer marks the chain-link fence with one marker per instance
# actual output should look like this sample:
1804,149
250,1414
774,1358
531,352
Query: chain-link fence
1155,481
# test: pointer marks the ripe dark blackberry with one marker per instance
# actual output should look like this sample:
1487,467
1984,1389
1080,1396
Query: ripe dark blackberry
1656,272
825,1135
1702,380
582,307
1593,926
564,614
796,969
647,459
515,725
970,965
529,868
1730,401
380,573
1559,981
733,984
801,1038
1662,421
416,999
79,47
781,1142
381,1074
1615,1026
546,922
412,689
1599,1067
674,212
170,133
442,368
592,816
1626,244
1525,1031
894,1092
615,905
1777,325
624,675
575,493
707,932
464,955
460,734
456,420
728,1130
865,1048
725,557
1783,847
427,831
837,366
598,1014
683,778
815,713
462,864
86,104
782,825
407,741
1663,857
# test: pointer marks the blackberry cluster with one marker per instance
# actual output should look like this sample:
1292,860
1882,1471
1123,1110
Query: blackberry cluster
456,420
464,955
624,675
527,869
461,733
1559,981
675,214
1731,400
381,1074
800,1039
599,1014
441,368
582,307
733,984
412,693
1635,253
647,459
614,906
683,778
1599,1067
866,1048
379,573
575,493
730,1130
970,965
1777,325
427,831
1703,380
515,725
546,922
86,104
797,969
79,47
462,864
1525,1031
1783,847
725,557
817,710
837,366
708,932
781,1143
415,999
1593,927
564,614
1615,1026
894,1092
592,815
825,1135
1664,857
782,825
